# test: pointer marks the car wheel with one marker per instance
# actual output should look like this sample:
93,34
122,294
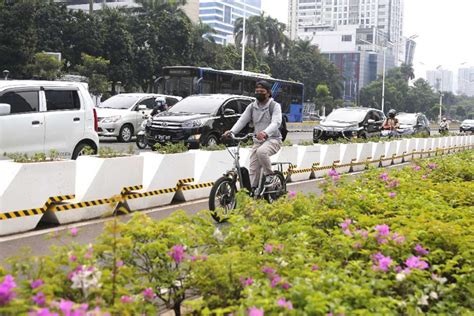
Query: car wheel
82,149
125,134
211,140
363,135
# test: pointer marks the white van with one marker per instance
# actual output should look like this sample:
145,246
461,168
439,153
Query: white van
39,116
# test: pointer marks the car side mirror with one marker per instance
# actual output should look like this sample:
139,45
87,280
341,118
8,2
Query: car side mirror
370,121
142,107
5,109
229,112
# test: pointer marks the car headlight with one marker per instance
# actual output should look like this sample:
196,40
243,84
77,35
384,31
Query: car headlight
111,119
193,124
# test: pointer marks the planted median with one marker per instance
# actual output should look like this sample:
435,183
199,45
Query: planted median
389,242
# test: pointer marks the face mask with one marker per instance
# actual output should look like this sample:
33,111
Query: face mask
260,97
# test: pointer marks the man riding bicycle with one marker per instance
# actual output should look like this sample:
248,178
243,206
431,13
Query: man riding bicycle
265,116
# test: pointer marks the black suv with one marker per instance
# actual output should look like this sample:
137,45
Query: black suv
413,124
348,123
197,120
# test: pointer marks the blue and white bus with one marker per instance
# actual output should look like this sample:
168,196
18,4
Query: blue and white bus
185,80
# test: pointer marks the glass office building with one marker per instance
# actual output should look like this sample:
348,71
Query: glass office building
222,14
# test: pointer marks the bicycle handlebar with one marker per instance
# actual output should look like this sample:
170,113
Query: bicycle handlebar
244,138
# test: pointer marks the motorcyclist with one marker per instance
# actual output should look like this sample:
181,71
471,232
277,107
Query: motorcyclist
444,125
160,106
391,123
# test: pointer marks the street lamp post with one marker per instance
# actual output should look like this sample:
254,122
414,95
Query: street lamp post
243,36
441,95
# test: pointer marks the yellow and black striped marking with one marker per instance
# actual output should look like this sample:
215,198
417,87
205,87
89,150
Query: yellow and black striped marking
35,211
189,187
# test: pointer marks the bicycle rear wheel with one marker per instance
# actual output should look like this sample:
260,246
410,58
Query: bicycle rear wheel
222,198
278,188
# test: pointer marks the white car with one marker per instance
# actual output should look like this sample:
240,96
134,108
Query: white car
39,116
122,115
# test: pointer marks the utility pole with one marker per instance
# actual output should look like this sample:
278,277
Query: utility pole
91,6
243,36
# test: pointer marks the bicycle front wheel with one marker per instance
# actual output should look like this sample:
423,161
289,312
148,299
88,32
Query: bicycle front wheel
222,198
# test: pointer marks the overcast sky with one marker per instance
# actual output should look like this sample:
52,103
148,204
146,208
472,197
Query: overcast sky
444,28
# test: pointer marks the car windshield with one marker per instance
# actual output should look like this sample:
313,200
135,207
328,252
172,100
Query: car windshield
407,119
197,104
119,102
346,116
468,122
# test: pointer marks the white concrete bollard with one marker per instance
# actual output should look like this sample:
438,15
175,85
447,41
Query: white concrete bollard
26,186
390,151
161,172
330,154
378,152
98,179
402,149
348,155
411,148
308,156
364,152
286,154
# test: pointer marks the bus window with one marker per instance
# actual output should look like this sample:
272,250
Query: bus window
297,94
249,87
209,83
237,86
225,84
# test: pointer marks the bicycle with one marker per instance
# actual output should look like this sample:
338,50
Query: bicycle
224,191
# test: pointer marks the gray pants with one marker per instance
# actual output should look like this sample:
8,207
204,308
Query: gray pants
260,159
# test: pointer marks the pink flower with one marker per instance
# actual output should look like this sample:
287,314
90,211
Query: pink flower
39,299
291,194
42,312
254,311
417,168
333,173
420,250
268,270
346,224
246,281
382,230
392,195
282,302
148,294
268,248
72,258
384,176
398,269
432,166
119,264
424,177
416,263
66,306
275,280
357,245
314,267
393,184
126,299
89,252
381,263
347,232
363,233
73,231
398,239
36,284
285,286
177,253
6,290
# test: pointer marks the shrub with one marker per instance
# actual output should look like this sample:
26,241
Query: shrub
171,148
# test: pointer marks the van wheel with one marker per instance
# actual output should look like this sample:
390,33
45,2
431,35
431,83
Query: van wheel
83,149
125,134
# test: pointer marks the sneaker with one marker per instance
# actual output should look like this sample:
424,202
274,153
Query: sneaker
270,181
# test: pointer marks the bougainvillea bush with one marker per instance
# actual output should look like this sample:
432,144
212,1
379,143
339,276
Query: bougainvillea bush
388,242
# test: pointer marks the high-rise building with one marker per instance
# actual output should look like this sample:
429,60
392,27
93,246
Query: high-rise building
440,80
357,35
222,14
466,81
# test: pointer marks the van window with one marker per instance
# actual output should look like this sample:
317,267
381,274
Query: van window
21,101
171,101
60,100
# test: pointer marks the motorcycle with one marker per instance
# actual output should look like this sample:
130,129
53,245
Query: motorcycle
443,130
391,133
141,142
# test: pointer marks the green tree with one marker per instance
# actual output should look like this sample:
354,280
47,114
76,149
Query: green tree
45,67
95,69
460,111
18,38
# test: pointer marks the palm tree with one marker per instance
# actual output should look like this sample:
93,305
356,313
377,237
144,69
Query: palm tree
156,4
407,71
254,33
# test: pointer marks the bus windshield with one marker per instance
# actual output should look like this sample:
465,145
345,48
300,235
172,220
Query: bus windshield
181,86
